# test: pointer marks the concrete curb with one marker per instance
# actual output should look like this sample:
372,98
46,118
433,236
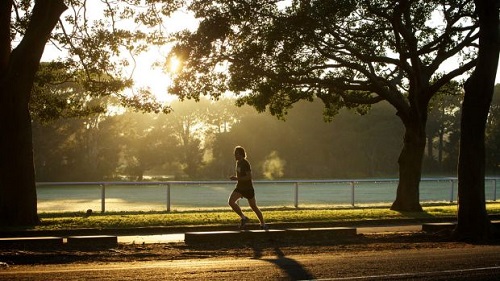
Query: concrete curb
436,227
100,241
152,230
203,234
31,242
449,226
97,241
269,235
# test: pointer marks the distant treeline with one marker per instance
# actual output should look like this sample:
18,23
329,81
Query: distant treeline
196,141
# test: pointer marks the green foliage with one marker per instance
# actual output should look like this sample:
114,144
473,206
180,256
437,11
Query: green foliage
196,141
77,149
58,94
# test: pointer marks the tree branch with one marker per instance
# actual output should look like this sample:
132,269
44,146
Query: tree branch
25,58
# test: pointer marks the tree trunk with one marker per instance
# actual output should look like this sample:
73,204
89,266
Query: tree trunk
18,201
410,168
430,152
473,222
440,149
5,46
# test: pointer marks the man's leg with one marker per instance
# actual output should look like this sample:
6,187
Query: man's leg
232,201
253,204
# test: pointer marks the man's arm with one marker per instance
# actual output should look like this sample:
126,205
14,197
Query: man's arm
246,177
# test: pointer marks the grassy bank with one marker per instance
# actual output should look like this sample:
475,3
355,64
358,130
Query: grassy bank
56,221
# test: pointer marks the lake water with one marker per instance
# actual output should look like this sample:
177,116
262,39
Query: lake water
207,195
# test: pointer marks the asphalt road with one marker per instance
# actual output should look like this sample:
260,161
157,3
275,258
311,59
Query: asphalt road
472,262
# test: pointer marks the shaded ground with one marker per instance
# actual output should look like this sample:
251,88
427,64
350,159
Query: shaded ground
252,249
255,249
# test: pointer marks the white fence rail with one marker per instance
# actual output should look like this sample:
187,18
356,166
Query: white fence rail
358,190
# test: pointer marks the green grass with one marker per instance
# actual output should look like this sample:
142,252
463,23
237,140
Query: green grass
61,221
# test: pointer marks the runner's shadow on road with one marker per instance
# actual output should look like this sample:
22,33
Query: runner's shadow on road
291,267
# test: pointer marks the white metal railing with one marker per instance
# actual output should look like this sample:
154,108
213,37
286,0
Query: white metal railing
296,183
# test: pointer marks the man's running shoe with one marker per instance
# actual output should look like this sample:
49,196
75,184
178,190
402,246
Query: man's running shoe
243,222
264,227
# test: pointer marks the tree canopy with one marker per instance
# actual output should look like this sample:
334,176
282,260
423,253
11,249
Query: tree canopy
93,45
346,53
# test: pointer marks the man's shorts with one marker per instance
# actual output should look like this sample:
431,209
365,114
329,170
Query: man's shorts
248,193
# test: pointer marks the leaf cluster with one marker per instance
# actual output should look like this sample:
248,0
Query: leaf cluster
347,53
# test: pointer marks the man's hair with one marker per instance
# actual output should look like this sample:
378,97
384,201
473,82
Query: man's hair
241,151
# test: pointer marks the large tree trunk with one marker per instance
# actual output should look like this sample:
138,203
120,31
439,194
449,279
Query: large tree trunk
410,168
18,201
473,222
5,46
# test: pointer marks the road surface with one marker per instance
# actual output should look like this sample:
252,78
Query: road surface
472,262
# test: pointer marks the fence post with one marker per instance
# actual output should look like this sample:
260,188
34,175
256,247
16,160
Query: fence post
452,190
494,190
168,197
352,193
296,195
103,198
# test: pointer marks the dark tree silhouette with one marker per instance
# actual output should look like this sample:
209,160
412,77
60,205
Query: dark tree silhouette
473,222
17,72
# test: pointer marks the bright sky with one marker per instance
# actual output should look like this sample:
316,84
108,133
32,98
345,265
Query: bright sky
145,74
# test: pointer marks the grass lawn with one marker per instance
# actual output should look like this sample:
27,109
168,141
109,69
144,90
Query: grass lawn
61,221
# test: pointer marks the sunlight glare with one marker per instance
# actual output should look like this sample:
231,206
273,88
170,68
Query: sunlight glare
147,75
174,64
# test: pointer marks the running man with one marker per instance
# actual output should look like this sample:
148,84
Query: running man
244,188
